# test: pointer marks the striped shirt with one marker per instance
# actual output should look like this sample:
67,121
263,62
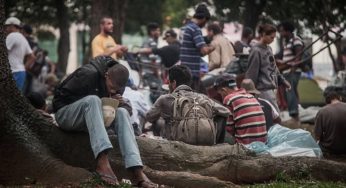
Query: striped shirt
289,55
246,121
191,41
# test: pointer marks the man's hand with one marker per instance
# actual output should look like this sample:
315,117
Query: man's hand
145,51
118,97
287,85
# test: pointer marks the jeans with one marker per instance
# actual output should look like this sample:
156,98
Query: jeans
19,77
126,138
292,94
270,95
86,115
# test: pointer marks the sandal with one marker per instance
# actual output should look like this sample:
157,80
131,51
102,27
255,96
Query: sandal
108,179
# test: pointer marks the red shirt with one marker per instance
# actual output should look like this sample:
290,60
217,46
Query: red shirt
246,121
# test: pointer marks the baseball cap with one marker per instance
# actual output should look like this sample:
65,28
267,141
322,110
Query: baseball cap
170,33
249,86
225,80
12,21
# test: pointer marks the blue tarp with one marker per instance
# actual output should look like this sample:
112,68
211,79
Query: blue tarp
283,141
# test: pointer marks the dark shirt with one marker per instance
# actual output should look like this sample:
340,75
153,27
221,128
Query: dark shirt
169,54
330,128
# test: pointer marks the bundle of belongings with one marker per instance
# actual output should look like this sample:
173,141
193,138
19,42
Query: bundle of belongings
283,141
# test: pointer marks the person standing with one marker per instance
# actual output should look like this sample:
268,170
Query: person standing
290,65
330,124
154,33
169,54
193,46
223,53
18,50
103,44
262,69
244,42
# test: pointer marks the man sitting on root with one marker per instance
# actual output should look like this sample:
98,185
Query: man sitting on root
185,115
77,106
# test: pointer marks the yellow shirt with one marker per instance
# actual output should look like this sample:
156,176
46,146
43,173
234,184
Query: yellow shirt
102,44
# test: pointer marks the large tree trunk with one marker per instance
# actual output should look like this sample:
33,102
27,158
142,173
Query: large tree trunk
64,40
24,157
253,9
118,13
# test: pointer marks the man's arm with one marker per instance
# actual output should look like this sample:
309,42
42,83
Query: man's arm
218,109
254,66
29,61
155,112
207,49
214,57
318,126
98,50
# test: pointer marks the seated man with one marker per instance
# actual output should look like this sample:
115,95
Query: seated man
272,116
180,79
38,102
246,121
330,124
77,106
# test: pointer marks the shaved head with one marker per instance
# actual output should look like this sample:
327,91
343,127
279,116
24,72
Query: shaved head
119,74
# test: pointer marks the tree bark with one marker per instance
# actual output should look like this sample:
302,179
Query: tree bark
24,157
253,9
118,13
64,40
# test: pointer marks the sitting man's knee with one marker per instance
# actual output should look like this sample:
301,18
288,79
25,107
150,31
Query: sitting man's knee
122,111
92,99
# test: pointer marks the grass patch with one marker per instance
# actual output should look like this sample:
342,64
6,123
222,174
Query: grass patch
98,182
300,184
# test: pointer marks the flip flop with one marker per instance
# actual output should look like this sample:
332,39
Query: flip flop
105,177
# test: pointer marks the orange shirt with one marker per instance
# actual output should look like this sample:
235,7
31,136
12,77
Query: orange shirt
102,44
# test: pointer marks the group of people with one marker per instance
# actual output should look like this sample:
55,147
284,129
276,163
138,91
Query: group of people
247,110
34,73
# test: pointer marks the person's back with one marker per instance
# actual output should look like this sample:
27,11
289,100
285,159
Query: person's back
169,54
246,121
248,117
166,105
331,125
223,53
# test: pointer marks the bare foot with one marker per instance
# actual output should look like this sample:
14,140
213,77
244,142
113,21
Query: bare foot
141,179
105,171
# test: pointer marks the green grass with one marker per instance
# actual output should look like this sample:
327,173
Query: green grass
98,182
300,184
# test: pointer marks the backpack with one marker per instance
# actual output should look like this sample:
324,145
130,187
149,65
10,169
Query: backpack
192,120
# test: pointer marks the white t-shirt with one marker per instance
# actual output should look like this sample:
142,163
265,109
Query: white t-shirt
18,47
